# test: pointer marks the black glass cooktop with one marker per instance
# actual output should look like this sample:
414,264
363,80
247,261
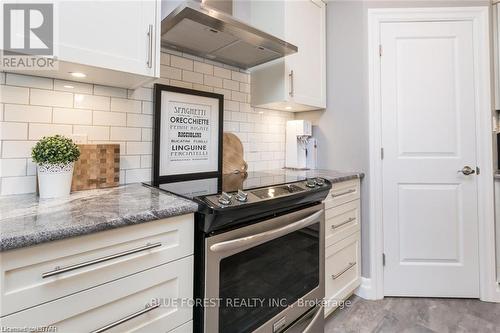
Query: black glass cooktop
230,183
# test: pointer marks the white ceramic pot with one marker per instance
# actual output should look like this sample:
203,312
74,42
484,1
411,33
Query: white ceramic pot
54,180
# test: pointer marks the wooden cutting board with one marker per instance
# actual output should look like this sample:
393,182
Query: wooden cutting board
232,155
97,167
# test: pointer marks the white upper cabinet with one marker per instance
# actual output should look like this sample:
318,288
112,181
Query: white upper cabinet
113,43
296,82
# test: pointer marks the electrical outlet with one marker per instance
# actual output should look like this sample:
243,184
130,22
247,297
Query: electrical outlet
79,138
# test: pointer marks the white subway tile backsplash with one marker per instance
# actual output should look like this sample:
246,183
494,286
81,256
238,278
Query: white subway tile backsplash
181,84
212,81
110,91
130,162
171,73
138,148
109,118
18,185
51,98
222,72
125,105
239,96
30,167
71,116
92,102
204,68
164,58
16,95
29,81
38,131
147,134
147,107
72,86
192,77
231,85
241,77
13,131
143,94
146,161
231,105
17,149
93,133
125,134
181,62
137,175
115,115
12,167
139,120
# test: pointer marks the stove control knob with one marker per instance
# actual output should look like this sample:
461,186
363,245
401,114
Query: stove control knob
311,183
225,199
320,181
242,196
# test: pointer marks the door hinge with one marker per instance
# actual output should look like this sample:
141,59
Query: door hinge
383,259
381,153
478,171
380,50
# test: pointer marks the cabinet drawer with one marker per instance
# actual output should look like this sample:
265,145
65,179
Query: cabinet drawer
41,273
341,221
342,270
343,192
114,302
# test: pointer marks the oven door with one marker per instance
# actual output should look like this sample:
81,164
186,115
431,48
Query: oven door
267,275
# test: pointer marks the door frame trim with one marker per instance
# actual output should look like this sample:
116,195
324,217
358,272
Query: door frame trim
479,16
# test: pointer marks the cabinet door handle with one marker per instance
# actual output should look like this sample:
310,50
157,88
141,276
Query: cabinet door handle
60,270
339,274
335,226
149,61
336,195
127,318
291,83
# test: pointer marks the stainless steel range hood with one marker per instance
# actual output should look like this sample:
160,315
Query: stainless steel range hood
198,29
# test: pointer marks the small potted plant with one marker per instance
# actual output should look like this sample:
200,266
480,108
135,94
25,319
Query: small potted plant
55,157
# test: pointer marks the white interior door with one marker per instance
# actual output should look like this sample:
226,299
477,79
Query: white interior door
428,134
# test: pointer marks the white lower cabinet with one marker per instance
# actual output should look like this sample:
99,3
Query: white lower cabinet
114,302
129,279
343,239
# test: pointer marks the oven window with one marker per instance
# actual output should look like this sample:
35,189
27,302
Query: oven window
274,274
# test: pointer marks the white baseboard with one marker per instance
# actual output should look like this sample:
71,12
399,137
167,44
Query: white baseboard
365,290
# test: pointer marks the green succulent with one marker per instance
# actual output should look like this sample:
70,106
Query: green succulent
55,149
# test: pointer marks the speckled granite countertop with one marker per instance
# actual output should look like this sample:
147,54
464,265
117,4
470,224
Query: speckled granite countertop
27,220
331,175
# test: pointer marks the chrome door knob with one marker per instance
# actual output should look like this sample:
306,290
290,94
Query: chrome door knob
467,170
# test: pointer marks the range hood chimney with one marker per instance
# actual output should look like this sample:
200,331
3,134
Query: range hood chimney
208,30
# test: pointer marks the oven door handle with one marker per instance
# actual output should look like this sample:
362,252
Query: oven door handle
263,237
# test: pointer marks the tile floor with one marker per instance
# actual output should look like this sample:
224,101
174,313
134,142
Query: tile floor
415,315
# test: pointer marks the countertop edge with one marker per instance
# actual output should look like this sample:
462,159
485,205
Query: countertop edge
17,242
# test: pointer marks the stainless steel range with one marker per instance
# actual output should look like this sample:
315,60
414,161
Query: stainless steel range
259,253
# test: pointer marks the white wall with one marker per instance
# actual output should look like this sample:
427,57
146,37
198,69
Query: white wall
342,129
33,107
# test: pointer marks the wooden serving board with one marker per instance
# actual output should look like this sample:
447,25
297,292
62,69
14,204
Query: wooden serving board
97,167
232,156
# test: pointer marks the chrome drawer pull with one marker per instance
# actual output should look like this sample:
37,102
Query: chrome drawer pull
127,318
59,270
339,274
343,193
343,223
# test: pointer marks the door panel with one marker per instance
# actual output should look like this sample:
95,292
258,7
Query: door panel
428,134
